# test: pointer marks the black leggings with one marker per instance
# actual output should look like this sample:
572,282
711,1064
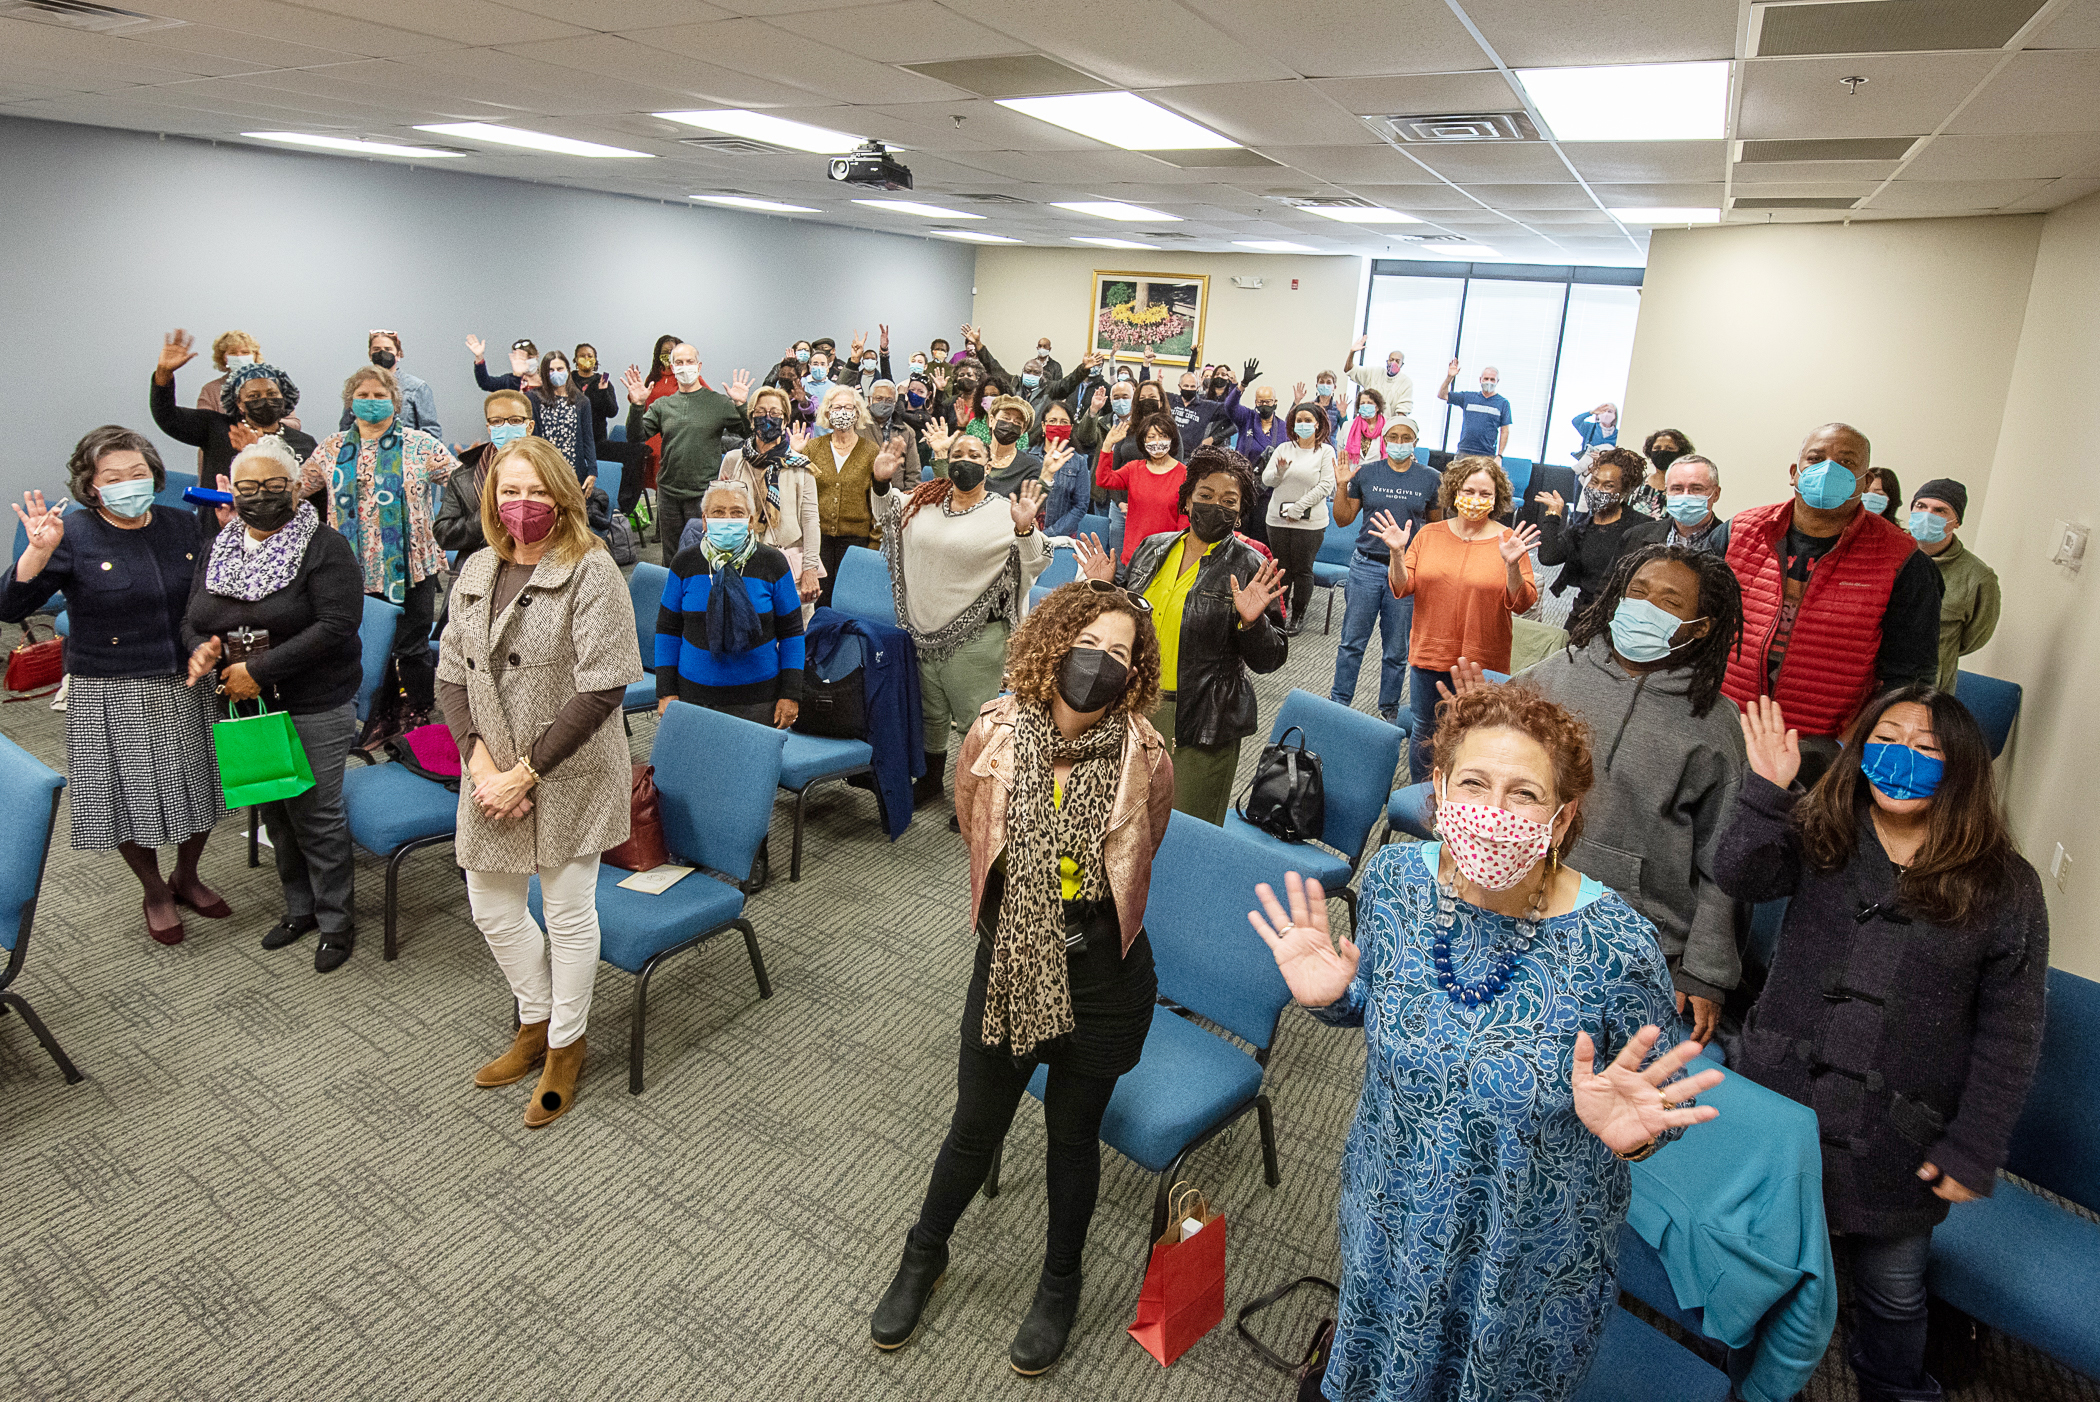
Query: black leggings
988,1089
1295,548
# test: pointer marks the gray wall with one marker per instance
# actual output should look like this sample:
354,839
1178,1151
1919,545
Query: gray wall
112,238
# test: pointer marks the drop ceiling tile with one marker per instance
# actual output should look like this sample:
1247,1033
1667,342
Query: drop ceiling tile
1090,168
623,15
1646,161
2076,26
795,55
764,8
1937,195
2005,157
1343,38
246,48
116,111
2037,92
1804,189
930,126
1379,164
534,87
2056,194
60,47
299,24
1133,45
1414,199
699,84
462,21
1424,95
1533,196
1262,115
1904,95
1559,218
94,76
918,31
1798,172
1689,196
1539,34
13,92
1493,161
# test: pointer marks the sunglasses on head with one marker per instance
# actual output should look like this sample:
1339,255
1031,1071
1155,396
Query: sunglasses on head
521,345
1135,600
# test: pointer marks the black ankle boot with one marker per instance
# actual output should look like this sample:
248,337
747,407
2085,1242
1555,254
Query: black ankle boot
929,787
896,1318
1041,1338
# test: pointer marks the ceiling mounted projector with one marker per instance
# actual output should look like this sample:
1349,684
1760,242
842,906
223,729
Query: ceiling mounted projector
872,166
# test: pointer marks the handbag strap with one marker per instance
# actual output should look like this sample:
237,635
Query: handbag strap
1257,1305
29,637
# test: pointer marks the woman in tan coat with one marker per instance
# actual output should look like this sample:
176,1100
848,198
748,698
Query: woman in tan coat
538,652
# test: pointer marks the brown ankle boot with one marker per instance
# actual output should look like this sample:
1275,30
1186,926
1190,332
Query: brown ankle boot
556,1091
527,1051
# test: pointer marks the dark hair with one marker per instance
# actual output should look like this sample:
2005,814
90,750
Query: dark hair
1720,602
1213,461
1364,392
99,443
1142,424
1459,469
1890,486
1968,860
659,362
1322,431
1159,388
581,347
547,389
1633,468
1053,626
1521,707
1684,440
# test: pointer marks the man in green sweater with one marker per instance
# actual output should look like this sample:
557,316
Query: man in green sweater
692,422
1969,608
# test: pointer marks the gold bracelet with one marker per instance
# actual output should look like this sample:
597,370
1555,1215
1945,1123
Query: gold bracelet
526,765
1645,1151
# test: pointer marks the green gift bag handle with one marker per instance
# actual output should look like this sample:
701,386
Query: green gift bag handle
261,759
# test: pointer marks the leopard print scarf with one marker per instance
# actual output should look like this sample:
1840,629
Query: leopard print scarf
1028,997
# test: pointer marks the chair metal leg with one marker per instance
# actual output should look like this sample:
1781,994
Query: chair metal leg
1348,895
634,1033
758,964
254,828
1328,627
43,1035
1267,1119
991,1180
387,948
795,856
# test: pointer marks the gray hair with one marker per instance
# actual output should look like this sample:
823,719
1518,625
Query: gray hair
729,484
366,374
1712,467
275,449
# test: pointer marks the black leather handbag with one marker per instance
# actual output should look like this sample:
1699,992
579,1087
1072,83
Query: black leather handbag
1310,1366
1287,797
835,693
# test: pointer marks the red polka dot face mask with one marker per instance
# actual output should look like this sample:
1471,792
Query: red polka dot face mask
1493,847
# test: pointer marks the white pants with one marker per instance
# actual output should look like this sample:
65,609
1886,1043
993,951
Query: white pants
555,988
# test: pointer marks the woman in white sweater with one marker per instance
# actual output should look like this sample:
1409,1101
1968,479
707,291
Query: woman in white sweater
1300,475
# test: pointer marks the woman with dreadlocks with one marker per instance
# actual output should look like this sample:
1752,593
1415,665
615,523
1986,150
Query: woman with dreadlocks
1643,666
1065,791
961,562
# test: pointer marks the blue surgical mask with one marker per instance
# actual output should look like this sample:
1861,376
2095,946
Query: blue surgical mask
557,378
819,372
1030,381
373,411
1927,527
1324,391
1688,509
1304,429
1367,411
128,499
1641,632
728,534
504,434
1874,502
803,356
1826,485
869,364
1119,407
1900,771
1399,452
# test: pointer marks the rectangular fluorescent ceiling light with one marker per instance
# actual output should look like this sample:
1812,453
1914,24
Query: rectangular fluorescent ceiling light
1111,243
1665,214
532,140
927,211
1273,246
747,202
972,235
1116,209
774,131
1359,214
1632,102
1121,119
362,148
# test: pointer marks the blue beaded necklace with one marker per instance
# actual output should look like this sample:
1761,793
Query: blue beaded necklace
1481,992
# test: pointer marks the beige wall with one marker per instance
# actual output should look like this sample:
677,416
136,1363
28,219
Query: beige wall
1750,336
1023,293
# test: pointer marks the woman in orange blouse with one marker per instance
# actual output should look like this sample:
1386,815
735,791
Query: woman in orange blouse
1468,575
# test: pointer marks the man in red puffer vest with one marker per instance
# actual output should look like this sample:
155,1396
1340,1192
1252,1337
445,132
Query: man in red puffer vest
1838,603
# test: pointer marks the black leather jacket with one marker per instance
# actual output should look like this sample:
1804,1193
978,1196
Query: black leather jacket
1214,697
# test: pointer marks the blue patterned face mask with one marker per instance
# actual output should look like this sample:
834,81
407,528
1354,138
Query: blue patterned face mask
1901,772
1826,485
373,411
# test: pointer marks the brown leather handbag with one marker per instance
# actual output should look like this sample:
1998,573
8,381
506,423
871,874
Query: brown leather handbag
644,849
35,668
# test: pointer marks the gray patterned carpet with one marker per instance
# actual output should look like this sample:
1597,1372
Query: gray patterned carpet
274,1185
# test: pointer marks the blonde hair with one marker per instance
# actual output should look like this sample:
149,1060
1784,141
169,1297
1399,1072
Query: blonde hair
787,405
367,374
572,537
863,421
231,342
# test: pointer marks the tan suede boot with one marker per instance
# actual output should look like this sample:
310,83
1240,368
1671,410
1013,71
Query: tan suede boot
527,1051
556,1091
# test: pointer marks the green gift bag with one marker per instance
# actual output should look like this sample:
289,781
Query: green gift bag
261,759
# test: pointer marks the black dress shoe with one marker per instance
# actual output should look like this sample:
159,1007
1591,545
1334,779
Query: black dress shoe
290,930
333,952
1041,1338
896,1318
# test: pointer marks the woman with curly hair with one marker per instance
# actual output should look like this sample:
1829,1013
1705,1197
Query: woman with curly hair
1485,1180
1065,791
255,401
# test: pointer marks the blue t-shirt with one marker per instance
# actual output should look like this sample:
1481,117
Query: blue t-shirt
1409,495
1485,415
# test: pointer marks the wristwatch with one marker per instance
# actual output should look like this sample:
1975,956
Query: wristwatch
1645,1151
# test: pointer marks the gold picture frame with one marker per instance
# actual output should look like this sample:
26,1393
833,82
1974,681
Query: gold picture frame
1165,311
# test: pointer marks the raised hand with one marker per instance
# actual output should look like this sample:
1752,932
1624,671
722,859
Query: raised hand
1774,750
1027,502
889,459
1248,371
241,434
637,388
1150,355
1465,677
1312,968
1627,1107
1055,456
177,349
1393,533
1451,370
937,437
1094,359
477,347
1356,346
1298,392
883,343
204,659
1117,432
739,387
1554,502
1254,598
1518,543
46,526
1099,401
226,513
860,343
1094,560
798,438
940,376
520,363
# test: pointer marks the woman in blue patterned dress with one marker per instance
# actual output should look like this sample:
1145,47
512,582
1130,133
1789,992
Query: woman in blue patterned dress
1485,1177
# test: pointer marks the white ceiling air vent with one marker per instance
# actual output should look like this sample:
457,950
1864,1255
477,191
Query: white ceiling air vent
1432,238
1463,126
1331,202
1888,26
77,14
1797,202
734,146
1827,148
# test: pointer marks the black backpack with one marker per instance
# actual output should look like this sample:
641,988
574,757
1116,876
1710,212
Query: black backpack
835,693
1287,797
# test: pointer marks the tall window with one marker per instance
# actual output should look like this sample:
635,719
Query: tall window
1562,338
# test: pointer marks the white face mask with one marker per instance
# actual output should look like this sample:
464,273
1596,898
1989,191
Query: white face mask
687,375
236,362
1157,448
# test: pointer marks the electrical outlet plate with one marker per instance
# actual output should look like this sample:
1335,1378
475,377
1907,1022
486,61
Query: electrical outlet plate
2060,867
2070,545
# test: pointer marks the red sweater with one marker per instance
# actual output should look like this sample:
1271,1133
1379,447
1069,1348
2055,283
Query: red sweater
1155,498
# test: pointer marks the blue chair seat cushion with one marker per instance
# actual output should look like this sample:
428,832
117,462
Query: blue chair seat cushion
641,695
1636,1363
1327,576
2021,1264
1408,811
1186,1080
809,758
387,806
1314,863
634,927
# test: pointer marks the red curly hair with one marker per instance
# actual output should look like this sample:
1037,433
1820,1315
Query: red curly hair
1516,706
1039,645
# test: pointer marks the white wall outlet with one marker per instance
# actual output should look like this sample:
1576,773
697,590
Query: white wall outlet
2070,545
1252,284
2060,867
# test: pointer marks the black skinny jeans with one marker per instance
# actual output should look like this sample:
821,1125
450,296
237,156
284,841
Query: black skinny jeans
1295,548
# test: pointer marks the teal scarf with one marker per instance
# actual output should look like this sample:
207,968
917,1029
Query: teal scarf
390,509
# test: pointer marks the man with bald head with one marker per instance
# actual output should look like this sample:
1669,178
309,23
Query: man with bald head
1388,379
1484,430
692,423
1838,603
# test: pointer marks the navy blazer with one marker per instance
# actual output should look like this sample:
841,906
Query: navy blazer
126,592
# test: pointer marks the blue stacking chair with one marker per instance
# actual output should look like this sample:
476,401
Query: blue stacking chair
29,789
1358,754
715,776
1638,1363
1518,470
863,586
1191,1085
1331,565
1095,526
393,813
1062,569
2016,1261
1994,703
1412,808
645,589
172,489
809,760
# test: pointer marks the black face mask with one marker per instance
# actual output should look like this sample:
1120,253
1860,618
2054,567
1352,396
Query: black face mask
263,412
1188,396
266,511
1663,457
1006,433
967,476
768,426
384,359
1218,387
1267,411
1089,679
1212,522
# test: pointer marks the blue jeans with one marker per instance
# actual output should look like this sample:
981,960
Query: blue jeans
1367,601
1421,703
1888,1329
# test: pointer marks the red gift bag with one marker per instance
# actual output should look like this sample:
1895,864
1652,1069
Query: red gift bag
1184,1292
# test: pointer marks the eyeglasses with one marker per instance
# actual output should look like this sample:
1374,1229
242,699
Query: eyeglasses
514,421
267,484
1135,600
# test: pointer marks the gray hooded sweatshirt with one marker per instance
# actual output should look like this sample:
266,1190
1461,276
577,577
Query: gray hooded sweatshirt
1666,783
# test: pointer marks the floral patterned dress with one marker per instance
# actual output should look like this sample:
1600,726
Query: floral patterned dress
1479,1217
392,556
